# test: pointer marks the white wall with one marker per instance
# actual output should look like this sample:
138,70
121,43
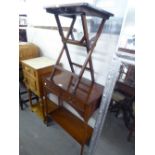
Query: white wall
117,7
128,29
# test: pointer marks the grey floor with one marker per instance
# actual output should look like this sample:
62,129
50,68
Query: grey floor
37,139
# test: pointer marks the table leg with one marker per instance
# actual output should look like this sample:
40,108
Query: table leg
46,107
43,110
30,99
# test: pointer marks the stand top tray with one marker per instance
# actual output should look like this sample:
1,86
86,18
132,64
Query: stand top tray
71,10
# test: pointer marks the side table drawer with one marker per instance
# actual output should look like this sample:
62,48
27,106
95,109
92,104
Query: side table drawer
34,70
52,87
29,71
73,101
31,84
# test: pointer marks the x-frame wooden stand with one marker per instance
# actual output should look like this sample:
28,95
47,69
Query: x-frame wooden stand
85,41
82,94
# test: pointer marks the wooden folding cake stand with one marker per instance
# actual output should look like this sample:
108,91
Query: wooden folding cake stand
82,94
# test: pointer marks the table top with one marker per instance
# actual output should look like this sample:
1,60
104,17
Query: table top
70,10
39,62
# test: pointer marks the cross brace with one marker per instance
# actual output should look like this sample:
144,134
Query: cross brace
85,41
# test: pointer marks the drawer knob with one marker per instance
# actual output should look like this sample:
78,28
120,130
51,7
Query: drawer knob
45,83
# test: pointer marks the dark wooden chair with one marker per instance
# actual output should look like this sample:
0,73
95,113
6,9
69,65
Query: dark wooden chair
123,97
123,101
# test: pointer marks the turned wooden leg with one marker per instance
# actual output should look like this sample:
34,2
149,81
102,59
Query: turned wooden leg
43,110
45,107
30,99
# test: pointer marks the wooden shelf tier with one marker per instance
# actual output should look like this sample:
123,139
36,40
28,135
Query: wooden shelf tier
38,109
77,128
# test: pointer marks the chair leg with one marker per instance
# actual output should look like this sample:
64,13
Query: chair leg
131,131
30,99
20,102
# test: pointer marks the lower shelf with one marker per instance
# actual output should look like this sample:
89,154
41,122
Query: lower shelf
38,109
80,131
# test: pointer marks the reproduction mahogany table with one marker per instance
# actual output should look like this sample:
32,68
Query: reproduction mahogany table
82,94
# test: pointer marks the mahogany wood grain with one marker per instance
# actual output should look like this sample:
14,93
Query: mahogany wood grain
87,97
73,125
